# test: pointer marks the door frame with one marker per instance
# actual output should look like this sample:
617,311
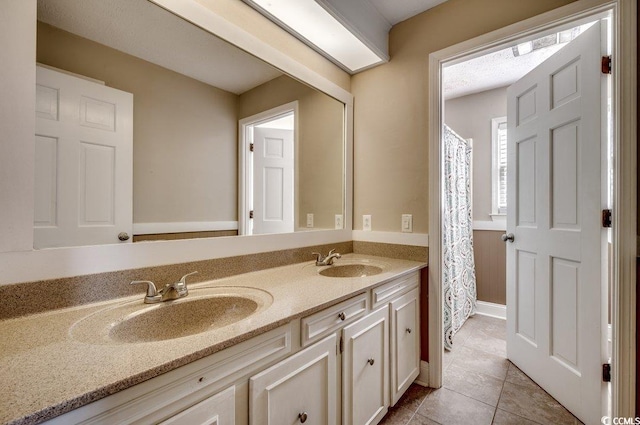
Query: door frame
245,177
624,20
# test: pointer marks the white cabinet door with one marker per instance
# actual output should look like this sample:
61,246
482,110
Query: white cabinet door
216,410
300,389
84,161
405,343
365,369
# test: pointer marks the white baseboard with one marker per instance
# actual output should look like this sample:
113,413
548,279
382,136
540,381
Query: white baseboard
498,311
423,378
181,227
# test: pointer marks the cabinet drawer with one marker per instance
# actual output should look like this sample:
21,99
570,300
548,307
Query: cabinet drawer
390,290
330,319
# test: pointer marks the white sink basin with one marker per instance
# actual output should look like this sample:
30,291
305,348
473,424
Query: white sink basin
351,270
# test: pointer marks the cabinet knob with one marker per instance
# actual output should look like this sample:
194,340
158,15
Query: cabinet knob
408,330
303,417
342,316
123,236
371,361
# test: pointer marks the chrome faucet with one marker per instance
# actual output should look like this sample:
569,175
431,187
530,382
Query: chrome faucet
328,260
170,291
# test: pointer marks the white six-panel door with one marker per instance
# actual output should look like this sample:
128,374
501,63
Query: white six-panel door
83,161
555,296
273,180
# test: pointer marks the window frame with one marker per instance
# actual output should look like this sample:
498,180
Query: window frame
495,166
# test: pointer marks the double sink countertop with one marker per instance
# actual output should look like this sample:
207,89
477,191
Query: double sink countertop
56,361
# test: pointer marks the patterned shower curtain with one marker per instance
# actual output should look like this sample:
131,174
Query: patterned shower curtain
458,271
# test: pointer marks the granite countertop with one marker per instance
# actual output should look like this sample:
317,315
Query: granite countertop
48,370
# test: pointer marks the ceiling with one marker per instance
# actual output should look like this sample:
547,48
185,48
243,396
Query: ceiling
142,29
395,11
504,67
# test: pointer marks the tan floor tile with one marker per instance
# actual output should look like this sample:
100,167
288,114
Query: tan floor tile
447,358
516,376
450,408
418,419
482,341
413,397
397,416
534,404
506,418
477,360
481,387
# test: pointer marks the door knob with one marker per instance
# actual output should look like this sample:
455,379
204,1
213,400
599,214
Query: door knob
123,236
508,237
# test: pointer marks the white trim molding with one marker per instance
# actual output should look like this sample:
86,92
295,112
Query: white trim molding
415,239
423,377
484,308
183,227
624,105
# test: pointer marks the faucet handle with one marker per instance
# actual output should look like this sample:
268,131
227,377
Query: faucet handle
331,252
152,292
183,279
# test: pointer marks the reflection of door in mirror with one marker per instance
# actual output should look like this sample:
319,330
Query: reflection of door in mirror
84,153
273,192
190,90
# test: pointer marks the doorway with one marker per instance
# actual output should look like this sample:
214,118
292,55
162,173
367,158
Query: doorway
456,54
267,171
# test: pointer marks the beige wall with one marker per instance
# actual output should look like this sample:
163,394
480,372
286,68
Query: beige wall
490,256
470,117
184,131
391,107
320,145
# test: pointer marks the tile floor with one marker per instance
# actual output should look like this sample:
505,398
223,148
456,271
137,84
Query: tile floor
481,387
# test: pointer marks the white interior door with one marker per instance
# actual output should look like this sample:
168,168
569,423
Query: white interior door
83,161
556,316
272,180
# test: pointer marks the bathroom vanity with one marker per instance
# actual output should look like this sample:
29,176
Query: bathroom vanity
304,347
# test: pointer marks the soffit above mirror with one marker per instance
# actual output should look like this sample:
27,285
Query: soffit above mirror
354,34
144,30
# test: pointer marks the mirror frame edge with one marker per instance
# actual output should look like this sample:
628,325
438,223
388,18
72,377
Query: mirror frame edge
24,266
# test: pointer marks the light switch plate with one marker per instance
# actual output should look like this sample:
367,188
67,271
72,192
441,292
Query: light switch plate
339,224
407,223
366,223
310,220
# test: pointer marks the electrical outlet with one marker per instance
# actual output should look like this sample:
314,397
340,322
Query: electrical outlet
366,223
310,220
407,223
339,224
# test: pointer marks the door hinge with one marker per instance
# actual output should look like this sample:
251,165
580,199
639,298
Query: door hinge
606,218
606,372
251,214
606,65
251,147
341,345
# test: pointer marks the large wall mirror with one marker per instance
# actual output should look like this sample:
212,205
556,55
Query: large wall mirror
197,137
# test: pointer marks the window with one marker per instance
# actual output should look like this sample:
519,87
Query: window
499,165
